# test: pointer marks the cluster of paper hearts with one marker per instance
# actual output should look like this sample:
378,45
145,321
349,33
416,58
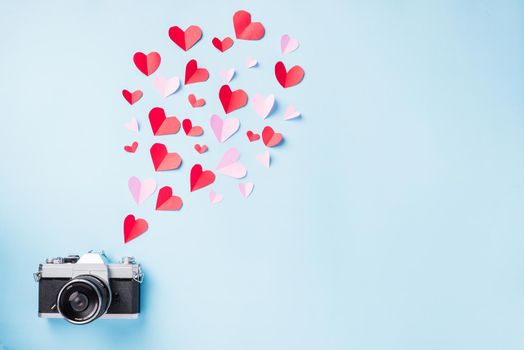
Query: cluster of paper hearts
163,121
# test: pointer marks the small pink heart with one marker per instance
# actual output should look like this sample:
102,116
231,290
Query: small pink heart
132,125
227,75
214,197
251,62
246,188
263,105
141,190
165,86
230,166
288,44
223,129
291,113
264,158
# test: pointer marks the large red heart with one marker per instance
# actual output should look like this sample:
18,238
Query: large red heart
232,100
199,179
195,102
166,200
147,64
132,148
185,39
195,74
162,125
191,130
252,136
132,97
288,78
245,29
133,228
162,160
222,45
270,137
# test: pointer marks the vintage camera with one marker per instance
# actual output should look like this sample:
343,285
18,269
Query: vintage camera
82,289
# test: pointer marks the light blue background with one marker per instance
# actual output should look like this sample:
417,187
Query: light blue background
392,218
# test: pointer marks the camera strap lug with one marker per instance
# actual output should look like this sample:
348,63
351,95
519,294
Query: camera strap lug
138,275
37,276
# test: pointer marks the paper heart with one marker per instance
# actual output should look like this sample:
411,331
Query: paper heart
191,130
162,125
246,188
222,45
141,190
195,102
227,75
288,44
132,97
251,62
230,166
185,39
166,87
270,137
167,201
232,100
162,160
200,149
132,125
252,136
264,158
263,105
132,148
199,179
133,228
195,74
147,64
214,197
291,113
288,78
245,29
224,129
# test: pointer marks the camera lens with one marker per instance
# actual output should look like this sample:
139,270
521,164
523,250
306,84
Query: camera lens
83,299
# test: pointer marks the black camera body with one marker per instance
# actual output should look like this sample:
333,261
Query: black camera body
82,289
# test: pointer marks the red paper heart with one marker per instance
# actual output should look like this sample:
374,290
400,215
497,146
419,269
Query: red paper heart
195,74
132,97
288,78
199,179
270,137
245,29
185,39
132,148
166,200
162,160
133,228
201,149
252,136
191,130
195,102
147,64
232,100
162,125
222,45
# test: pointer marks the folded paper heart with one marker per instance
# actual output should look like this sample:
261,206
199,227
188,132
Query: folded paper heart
195,74
162,125
194,102
191,130
132,125
291,113
200,148
162,159
166,87
133,228
132,148
288,44
167,201
246,188
199,179
251,62
147,64
288,78
185,39
132,97
227,75
232,100
252,136
224,129
222,45
263,105
245,29
141,190
230,166
270,137
214,197
264,158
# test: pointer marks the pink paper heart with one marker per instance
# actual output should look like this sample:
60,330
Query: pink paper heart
263,105
288,44
251,62
141,190
132,125
227,75
230,166
246,188
291,113
223,129
214,197
165,86
264,158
